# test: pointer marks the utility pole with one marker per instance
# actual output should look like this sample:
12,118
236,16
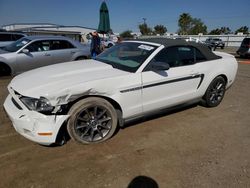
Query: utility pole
144,20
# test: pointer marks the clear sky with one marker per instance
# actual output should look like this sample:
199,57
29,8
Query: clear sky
127,14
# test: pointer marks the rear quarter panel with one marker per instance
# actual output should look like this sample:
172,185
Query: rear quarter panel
226,66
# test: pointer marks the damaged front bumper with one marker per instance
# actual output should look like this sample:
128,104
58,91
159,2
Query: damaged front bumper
33,125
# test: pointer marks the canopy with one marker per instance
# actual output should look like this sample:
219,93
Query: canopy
104,24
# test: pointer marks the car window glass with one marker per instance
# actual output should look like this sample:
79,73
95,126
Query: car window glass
5,37
186,55
177,56
169,55
60,45
127,56
199,56
246,41
15,46
16,37
39,46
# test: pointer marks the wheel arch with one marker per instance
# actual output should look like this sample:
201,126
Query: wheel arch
223,76
10,68
80,57
209,80
112,101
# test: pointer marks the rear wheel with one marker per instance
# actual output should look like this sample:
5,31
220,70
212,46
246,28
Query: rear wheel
215,92
4,70
92,120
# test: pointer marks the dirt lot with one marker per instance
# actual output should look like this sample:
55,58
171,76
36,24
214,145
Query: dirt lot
194,147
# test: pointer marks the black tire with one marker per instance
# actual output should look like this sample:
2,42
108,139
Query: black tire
110,45
80,58
4,70
215,92
92,120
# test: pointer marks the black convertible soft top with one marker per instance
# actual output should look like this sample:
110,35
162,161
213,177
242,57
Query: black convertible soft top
179,42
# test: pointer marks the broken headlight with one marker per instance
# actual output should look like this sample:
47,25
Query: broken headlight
40,105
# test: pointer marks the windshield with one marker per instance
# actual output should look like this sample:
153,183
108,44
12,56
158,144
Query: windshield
13,47
127,56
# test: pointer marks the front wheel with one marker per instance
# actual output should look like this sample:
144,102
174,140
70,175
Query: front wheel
92,120
110,45
215,92
80,58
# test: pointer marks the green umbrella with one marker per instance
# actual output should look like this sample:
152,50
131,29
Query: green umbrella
104,24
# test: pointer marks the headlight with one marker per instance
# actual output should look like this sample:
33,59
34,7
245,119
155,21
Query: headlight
40,105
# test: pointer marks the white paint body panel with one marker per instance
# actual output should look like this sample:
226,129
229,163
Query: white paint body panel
136,93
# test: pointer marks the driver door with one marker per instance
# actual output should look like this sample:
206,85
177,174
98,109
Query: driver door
38,55
173,86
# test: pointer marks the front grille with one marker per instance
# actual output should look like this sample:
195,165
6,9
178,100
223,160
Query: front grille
16,104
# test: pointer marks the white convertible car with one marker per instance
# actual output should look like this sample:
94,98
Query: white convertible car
89,99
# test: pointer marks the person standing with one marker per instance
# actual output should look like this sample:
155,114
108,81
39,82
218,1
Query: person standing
95,46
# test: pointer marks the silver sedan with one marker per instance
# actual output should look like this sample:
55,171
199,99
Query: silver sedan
36,51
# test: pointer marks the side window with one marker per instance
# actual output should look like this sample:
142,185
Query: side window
199,56
168,55
186,55
60,45
5,37
39,46
178,56
16,37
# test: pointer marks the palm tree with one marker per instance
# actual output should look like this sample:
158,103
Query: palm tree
184,22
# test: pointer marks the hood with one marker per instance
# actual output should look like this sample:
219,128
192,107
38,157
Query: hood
3,51
51,79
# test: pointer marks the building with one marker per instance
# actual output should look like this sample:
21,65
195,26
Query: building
75,32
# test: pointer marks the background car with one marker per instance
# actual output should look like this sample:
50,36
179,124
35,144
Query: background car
7,38
190,39
35,51
244,50
107,43
90,99
213,43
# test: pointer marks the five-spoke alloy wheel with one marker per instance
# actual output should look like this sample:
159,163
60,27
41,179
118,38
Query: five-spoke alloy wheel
92,120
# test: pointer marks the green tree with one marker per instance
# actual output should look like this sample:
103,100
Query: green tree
220,31
144,29
215,32
126,34
225,30
160,29
243,29
190,26
184,23
197,27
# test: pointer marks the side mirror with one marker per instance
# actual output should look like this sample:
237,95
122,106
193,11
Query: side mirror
25,51
160,66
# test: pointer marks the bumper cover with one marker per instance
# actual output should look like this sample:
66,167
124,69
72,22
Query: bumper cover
33,125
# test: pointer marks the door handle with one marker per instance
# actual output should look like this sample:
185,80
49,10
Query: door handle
46,54
194,74
72,52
